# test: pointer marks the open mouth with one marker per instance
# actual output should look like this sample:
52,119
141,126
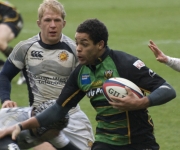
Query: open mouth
80,57
52,33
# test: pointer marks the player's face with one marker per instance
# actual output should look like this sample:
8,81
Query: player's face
51,25
87,51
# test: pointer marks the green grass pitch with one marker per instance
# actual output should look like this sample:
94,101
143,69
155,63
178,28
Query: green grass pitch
131,24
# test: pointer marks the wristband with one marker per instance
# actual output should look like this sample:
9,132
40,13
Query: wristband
20,126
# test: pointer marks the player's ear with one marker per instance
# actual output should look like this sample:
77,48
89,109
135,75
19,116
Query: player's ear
38,23
64,23
101,44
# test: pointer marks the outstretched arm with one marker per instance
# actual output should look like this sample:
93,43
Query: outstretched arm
174,63
51,115
15,130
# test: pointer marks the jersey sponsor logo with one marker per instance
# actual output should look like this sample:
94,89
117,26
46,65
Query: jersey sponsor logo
85,79
97,83
139,64
108,74
93,92
36,54
50,80
151,73
13,146
63,56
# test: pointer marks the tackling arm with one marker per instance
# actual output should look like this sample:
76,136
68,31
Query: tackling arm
51,115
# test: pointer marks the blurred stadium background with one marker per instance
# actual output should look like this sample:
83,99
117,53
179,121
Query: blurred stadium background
131,24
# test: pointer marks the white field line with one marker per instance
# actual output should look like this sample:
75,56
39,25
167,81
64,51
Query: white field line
33,31
163,42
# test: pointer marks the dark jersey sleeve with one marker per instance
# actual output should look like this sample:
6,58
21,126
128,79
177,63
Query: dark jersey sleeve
135,70
8,72
71,94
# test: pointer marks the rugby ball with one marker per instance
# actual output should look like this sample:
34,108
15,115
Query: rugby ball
116,87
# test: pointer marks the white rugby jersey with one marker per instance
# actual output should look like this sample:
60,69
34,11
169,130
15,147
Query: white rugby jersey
46,67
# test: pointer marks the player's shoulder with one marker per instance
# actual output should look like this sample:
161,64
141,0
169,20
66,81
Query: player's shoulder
122,56
32,39
6,4
25,44
67,40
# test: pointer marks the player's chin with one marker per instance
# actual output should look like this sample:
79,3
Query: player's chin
82,62
53,39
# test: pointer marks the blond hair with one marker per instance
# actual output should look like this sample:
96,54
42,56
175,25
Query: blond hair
53,5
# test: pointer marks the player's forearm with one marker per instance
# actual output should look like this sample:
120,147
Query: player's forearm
30,123
5,88
143,103
52,114
174,63
161,95
8,72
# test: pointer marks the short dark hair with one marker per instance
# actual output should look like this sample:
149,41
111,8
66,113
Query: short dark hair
96,30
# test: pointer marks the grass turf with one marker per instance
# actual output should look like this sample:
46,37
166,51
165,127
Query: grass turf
131,25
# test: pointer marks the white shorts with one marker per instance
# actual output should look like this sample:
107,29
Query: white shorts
79,131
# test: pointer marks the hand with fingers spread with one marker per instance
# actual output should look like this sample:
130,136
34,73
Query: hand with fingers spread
160,56
129,102
172,62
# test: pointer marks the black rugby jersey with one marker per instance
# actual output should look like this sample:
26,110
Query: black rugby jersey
113,127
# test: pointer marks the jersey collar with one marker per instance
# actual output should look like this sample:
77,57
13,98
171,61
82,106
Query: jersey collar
100,59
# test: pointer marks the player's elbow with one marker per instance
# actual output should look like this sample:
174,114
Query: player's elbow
169,92
173,93
162,95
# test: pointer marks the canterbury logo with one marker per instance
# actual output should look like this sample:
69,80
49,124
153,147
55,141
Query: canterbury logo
36,54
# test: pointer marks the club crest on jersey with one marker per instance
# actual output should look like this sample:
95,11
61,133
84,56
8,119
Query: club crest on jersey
108,74
85,79
63,56
139,64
